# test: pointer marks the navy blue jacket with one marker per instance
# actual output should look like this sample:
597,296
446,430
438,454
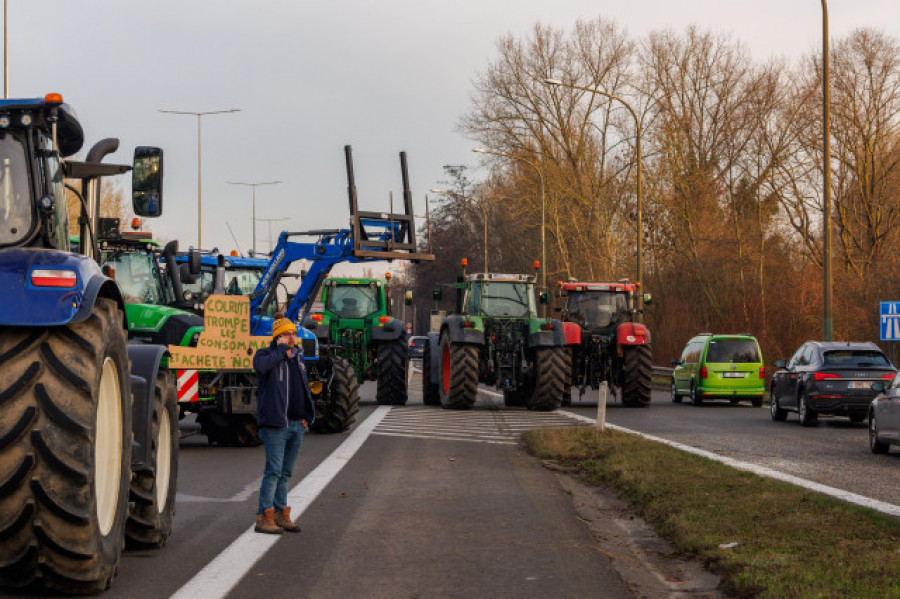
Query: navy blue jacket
282,387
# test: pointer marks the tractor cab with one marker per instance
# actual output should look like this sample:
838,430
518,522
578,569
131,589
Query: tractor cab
598,307
32,192
500,296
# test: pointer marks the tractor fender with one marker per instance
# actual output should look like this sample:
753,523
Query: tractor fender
321,329
461,334
572,332
35,305
145,364
99,286
387,331
554,337
632,333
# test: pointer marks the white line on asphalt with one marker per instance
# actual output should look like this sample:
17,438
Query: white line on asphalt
446,438
879,506
229,567
238,497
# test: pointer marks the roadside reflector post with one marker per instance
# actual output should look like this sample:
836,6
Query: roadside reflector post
602,392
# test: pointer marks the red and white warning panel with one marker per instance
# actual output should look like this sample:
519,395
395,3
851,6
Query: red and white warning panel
188,386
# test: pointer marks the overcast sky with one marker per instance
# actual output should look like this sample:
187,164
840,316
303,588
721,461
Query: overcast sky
310,77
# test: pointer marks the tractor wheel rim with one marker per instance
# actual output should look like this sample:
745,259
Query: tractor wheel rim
108,452
163,459
446,369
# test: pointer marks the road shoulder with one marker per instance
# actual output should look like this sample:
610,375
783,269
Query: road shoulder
646,563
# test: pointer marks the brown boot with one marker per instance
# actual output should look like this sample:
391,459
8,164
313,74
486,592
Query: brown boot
283,520
265,522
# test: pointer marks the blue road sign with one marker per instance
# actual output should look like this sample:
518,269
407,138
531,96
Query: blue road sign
889,321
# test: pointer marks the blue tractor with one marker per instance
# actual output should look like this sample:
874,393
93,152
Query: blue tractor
88,455
372,236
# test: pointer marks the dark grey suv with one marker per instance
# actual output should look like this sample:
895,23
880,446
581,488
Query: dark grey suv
829,378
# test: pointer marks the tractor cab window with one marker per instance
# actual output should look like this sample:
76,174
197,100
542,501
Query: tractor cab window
241,281
598,309
501,299
16,208
202,286
352,301
138,277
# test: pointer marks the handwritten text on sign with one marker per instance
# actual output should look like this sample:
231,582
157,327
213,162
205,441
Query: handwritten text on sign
225,342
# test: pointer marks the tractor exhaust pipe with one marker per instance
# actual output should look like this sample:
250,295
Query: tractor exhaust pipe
91,187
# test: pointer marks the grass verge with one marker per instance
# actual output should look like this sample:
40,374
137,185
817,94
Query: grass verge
790,542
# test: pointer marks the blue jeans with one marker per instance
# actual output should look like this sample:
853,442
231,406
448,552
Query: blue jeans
282,446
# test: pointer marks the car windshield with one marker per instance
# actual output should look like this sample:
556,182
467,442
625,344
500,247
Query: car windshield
417,342
16,210
138,277
597,309
847,358
736,351
506,298
352,301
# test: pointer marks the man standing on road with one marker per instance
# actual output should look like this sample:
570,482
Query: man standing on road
284,410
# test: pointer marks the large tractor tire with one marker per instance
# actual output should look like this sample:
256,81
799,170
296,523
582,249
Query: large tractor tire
229,430
549,380
431,395
636,376
337,411
392,364
458,387
153,492
65,452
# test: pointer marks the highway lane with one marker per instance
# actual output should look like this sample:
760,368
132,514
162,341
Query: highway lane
834,453
445,503
435,503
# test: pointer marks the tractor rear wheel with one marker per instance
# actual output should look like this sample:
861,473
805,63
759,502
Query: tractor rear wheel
567,374
458,387
636,376
153,493
549,369
340,404
392,364
229,430
431,396
65,452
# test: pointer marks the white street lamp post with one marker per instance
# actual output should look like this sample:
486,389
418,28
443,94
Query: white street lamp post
254,186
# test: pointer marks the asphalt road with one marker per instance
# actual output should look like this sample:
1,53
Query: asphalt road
439,503
435,503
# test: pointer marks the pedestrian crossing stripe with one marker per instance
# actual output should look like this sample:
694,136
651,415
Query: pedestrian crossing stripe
495,426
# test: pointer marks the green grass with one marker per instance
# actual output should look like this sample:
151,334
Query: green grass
791,542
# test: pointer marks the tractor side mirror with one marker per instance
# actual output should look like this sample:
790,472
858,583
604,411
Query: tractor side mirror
544,298
676,362
146,181
407,297
185,275
648,299
194,261
437,293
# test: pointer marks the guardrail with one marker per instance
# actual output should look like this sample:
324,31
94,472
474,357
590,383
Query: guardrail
661,372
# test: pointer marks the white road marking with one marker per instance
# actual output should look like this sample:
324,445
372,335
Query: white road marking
238,497
232,564
854,498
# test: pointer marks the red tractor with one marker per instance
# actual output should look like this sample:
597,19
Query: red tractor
604,342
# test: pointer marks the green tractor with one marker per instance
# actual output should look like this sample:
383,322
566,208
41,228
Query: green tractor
152,309
355,319
496,338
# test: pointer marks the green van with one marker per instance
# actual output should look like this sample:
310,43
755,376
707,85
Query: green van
720,367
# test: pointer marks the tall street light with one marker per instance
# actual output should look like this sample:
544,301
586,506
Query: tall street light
5,48
828,320
199,154
639,276
483,212
254,186
543,220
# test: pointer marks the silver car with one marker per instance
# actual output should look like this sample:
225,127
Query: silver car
884,416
